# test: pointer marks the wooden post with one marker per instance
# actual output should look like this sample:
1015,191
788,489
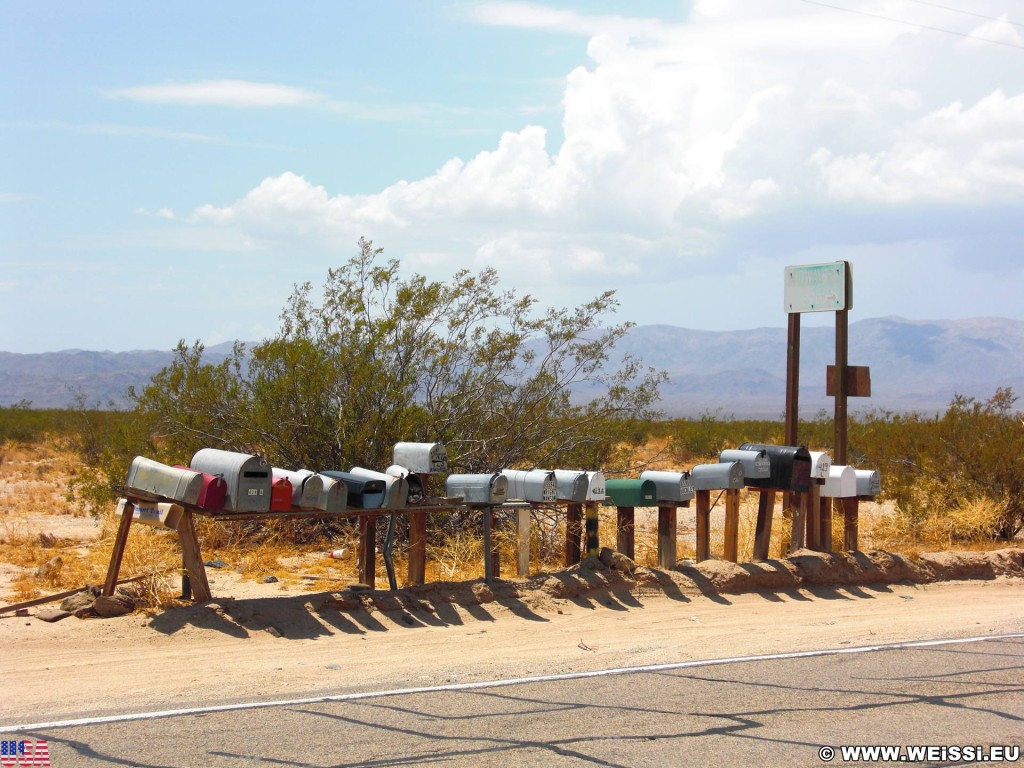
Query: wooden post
763,529
523,530
731,549
851,513
793,378
417,547
841,384
796,539
492,565
825,525
592,540
703,525
813,518
573,531
625,530
117,554
367,555
192,559
666,537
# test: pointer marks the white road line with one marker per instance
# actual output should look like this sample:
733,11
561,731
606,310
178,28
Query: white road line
494,683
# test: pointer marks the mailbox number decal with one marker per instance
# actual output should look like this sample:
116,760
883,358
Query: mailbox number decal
255,491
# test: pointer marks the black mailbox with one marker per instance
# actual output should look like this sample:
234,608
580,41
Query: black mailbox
363,492
790,467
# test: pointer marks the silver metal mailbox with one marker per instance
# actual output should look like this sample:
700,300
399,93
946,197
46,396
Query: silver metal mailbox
821,463
333,495
718,477
421,458
572,485
869,483
396,489
158,515
536,486
595,489
306,489
673,487
175,483
756,464
478,490
841,483
248,477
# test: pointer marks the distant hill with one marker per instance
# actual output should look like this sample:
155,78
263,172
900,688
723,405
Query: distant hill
915,365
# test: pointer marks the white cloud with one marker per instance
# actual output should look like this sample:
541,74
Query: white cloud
675,134
223,93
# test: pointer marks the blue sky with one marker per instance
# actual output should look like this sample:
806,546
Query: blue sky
171,170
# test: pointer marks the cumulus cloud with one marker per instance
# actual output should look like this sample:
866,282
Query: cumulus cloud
676,133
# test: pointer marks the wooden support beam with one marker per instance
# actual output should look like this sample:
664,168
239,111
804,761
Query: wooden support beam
573,532
625,530
523,531
117,553
812,518
366,558
666,537
417,547
192,558
731,548
703,525
591,537
825,511
796,538
763,529
851,514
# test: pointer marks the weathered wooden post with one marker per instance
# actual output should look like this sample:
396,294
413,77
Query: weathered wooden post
672,490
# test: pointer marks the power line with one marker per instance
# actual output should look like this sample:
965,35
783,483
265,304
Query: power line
966,13
913,24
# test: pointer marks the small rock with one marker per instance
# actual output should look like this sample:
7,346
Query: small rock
270,579
80,601
52,614
109,606
215,564
47,540
50,568
617,561
335,667
272,630
21,612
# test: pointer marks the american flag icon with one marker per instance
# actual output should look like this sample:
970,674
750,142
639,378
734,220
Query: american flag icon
24,753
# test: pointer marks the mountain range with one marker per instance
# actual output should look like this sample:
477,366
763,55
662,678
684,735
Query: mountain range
915,366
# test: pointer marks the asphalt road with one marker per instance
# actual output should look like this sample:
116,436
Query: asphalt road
760,711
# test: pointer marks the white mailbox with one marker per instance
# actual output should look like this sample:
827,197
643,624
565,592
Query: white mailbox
869,483
160,515
396,489
306,488
478,490
821,463
421,458
248,478
595,489
841,483
175,483
718,477
536,486
416,493
672,487
572,485
756,464
333,494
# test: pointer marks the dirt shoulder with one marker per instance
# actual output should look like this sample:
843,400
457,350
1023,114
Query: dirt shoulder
266,642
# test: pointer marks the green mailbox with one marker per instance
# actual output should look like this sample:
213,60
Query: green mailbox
631,493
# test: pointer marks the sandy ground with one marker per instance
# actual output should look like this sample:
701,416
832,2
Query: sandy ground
264,642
